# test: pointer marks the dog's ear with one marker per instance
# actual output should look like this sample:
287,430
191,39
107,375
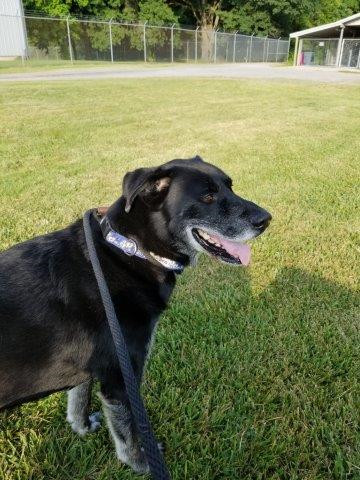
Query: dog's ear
151,183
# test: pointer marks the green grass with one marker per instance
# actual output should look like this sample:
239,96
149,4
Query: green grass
256,372
43,65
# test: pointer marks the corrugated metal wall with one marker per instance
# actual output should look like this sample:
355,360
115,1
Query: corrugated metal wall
12,29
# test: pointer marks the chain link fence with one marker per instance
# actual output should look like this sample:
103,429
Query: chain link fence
325,51
319,51
350,57
80,39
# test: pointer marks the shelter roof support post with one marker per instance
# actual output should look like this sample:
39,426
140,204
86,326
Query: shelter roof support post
300,51
339,47
296,51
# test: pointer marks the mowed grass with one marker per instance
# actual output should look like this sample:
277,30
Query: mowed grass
43,65
256,372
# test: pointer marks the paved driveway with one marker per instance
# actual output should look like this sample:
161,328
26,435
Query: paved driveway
257,70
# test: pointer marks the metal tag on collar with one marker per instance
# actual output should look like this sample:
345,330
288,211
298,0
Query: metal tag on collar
127,245
130,247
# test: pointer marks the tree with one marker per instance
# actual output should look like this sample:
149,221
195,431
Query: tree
62,8
259,17
206,15
281,17
90,40
265,17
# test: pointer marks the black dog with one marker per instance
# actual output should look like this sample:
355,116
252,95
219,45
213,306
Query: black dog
53,330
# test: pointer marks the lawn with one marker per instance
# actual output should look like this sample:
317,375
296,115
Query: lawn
255,373
42,65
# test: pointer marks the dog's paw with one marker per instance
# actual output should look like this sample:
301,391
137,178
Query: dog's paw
82,428
141,468
135,458
139,464
95,421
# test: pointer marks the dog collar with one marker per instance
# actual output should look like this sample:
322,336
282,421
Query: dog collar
130,247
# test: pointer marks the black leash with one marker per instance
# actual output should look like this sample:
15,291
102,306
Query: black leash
154,457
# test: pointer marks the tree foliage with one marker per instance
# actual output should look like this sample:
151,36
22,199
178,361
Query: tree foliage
262,17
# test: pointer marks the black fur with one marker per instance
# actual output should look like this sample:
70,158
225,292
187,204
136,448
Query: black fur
53,330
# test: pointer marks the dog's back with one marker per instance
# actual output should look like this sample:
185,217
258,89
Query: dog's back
35,290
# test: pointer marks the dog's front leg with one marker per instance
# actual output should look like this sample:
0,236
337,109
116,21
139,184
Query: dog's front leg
78,409
121,425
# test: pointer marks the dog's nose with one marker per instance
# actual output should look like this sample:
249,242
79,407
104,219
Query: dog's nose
260,220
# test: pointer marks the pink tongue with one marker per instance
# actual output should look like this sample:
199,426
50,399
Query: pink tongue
243,252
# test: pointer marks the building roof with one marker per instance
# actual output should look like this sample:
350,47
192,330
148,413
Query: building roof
329,29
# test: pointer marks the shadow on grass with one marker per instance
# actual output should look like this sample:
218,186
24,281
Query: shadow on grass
241,386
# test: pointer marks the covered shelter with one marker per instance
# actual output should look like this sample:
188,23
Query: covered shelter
335,44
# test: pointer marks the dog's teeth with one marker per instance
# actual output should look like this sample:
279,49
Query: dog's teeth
203,234
208,238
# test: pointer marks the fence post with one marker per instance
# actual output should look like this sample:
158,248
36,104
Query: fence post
267,50
144,40
172,43
196,44
69,39
187,51
234,46
264,48
251,39
215,45
288,51
111,43
277,49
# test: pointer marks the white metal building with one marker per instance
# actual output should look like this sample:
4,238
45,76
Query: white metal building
334,44
12,29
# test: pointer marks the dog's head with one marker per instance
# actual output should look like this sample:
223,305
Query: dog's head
188,206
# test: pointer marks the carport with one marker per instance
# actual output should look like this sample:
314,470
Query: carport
334,44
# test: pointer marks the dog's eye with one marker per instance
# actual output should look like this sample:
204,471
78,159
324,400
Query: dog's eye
208,198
